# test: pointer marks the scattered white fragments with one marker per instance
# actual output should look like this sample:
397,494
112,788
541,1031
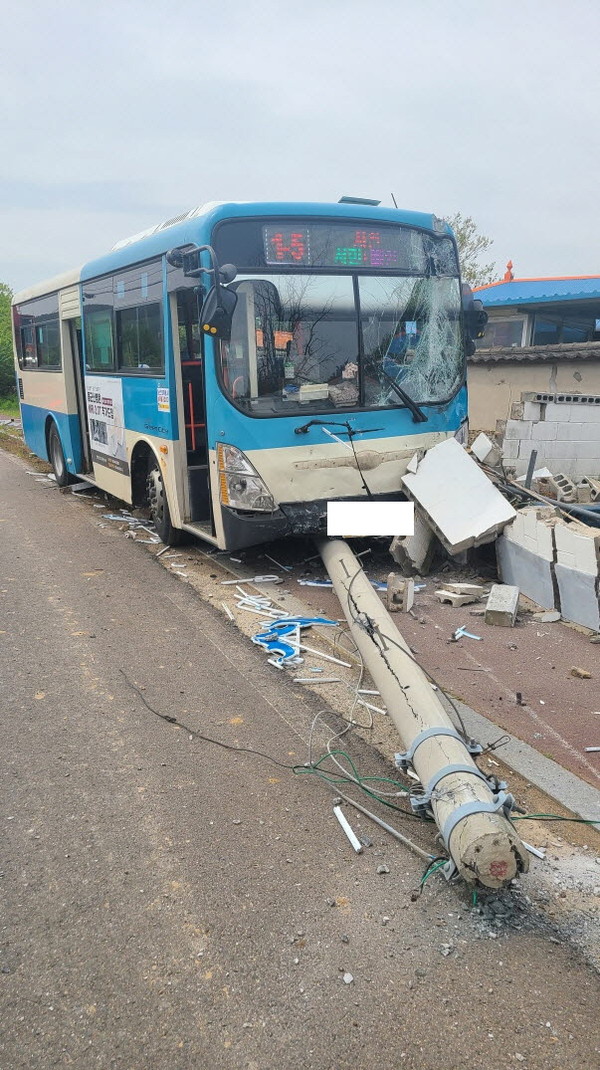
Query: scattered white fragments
502,605
400,593
462,506
461,594
486,451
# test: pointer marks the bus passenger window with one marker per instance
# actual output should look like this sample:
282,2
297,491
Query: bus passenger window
139,338
99,340
48,344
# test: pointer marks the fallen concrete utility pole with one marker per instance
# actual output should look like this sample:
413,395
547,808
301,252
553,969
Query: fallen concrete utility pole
469,812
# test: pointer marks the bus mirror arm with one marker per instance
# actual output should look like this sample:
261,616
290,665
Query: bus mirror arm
219,304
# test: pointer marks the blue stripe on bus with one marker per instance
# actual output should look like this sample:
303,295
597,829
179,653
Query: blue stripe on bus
225,423
34,419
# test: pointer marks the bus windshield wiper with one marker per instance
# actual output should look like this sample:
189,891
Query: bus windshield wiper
419,417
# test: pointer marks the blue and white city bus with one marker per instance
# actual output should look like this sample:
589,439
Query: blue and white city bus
238,367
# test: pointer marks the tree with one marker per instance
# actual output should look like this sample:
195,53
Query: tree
471,244
7,367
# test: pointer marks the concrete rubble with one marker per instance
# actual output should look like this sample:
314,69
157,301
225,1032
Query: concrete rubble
564,430
461,505
555,561
544,551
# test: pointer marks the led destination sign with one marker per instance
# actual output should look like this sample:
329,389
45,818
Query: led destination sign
302,244
336,246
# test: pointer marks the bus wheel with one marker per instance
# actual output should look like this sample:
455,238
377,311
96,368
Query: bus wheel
159,507
57,457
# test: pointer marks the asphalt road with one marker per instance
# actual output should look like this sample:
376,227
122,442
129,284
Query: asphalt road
165,902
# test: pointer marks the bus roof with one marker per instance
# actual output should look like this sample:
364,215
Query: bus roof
53,285
195,226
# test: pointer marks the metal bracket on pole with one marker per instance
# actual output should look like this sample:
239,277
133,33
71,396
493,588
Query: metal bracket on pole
421,803
502,801
403,760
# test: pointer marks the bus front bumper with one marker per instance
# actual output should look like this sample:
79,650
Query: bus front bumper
301,519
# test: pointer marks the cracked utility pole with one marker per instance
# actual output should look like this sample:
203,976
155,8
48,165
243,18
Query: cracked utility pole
469,813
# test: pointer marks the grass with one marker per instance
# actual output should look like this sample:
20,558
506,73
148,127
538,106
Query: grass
9,406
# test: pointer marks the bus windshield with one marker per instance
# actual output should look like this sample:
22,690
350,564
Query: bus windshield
320,342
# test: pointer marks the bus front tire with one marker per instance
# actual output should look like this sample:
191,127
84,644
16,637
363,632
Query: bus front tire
57,458
159,507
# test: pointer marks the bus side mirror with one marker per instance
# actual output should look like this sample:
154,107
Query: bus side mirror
477,320
475,316
217,311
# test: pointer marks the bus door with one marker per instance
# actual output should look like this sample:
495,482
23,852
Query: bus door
77,354
69,303
194,404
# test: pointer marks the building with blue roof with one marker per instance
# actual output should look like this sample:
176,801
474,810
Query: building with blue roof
541,335
541,312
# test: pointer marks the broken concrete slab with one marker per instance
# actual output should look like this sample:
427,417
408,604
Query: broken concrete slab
414,553
462,506
579,601
456,599
476,589
528,570
578,546
502,605
532,529
549,617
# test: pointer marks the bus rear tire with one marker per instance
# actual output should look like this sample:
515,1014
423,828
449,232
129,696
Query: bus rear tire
159,507
57,458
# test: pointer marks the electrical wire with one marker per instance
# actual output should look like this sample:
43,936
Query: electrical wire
555,817
297,770
356,617
199,735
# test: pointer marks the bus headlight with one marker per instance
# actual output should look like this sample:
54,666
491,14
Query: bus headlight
240,485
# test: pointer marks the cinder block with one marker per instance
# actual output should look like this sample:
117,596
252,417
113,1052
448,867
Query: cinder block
527,445
485,450
585,466
545,431
532,410
530,572
581,432
532,530
510,449
578,592
502,605
579,543
400,593
559,413
517,429
589,414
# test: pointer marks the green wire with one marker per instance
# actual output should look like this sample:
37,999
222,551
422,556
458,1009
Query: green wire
553,817
331,778
432,869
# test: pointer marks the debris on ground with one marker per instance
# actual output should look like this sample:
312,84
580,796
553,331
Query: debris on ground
461,503
502,605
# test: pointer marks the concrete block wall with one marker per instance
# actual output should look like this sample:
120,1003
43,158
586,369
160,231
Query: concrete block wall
554,562
563,429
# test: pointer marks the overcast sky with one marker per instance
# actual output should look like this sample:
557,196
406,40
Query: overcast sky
118,115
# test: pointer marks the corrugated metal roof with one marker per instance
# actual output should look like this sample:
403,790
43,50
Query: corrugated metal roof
538,291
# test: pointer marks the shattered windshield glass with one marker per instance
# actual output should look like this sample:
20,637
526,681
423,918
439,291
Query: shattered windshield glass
298,342
411,336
